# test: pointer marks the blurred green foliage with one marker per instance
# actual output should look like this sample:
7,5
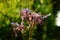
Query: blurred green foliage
9,11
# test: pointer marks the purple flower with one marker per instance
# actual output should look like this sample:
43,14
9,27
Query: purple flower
24,11
12,23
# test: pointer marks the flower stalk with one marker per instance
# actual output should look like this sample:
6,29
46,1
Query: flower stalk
32,19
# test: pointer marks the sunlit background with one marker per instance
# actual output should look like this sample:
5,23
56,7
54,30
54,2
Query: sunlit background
58,18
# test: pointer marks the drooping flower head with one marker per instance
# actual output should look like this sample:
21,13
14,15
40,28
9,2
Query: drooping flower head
46,16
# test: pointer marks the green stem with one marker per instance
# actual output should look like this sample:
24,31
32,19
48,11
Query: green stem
23,35
30,32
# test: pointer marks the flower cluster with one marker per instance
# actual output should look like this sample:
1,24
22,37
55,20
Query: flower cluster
27,15
31,18
17,27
